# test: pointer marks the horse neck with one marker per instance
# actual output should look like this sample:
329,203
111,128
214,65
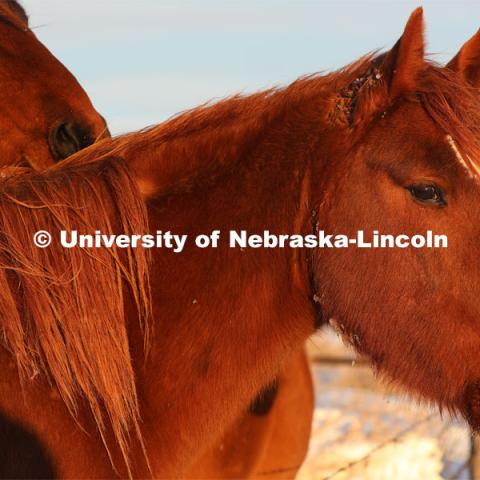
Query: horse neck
238,314
206,142
250,168
247,167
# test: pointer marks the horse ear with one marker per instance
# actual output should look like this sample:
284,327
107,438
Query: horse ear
406,59
467,61
390,75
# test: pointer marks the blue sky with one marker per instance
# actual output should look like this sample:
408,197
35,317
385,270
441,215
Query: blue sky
143,60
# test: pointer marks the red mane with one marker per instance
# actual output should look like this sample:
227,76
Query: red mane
56,303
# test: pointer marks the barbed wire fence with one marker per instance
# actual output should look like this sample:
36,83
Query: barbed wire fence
465,468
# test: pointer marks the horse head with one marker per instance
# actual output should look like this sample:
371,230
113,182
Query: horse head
48,115
409,134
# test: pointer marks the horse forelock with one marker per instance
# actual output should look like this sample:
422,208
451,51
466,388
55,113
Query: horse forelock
62,310
455,107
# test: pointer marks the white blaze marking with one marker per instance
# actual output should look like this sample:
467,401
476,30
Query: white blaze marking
471,167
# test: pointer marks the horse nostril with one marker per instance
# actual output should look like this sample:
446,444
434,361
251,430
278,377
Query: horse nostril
66,138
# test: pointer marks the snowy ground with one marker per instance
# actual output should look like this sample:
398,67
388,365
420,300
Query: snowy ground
360,431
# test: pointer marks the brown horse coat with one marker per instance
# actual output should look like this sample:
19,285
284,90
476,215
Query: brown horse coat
40,88
45,115
226,321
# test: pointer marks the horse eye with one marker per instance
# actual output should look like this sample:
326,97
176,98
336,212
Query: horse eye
427,193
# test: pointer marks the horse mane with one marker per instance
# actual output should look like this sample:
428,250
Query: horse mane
62,310
453,105
204,142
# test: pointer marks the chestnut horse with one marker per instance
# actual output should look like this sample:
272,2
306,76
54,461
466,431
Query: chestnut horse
45,115
52,118
389,144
